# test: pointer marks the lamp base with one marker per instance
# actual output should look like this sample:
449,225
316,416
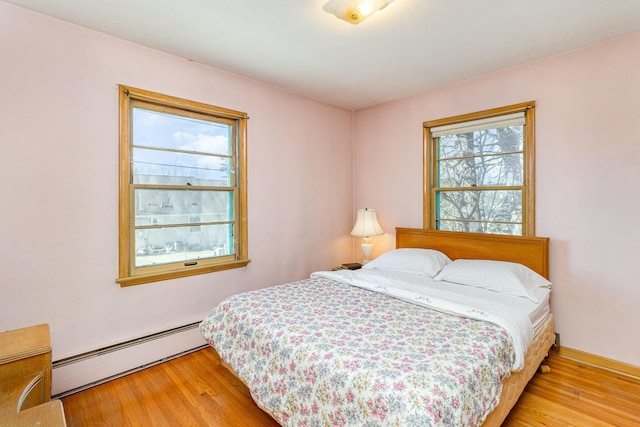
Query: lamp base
367,249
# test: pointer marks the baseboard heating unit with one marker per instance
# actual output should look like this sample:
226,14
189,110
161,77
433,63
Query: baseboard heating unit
86,370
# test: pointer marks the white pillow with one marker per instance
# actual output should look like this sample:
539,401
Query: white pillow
425,262
500,276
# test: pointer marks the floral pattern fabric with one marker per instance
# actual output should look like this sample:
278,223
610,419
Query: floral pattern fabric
319,352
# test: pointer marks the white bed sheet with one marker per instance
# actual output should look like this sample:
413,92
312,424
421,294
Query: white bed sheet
540,312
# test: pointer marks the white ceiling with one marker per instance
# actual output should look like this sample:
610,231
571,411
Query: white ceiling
407,48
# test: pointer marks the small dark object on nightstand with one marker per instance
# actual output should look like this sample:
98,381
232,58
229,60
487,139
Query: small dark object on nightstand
352,266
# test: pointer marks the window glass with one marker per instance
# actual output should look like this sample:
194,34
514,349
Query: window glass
152,166
172,131
160,245
481,171
487,211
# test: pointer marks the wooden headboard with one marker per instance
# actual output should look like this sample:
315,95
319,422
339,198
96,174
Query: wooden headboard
530,251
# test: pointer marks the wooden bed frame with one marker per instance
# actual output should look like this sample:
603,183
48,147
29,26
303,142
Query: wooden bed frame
530,251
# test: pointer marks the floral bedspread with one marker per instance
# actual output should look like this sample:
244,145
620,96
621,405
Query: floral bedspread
320,352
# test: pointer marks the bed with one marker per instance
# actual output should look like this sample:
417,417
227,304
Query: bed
404,341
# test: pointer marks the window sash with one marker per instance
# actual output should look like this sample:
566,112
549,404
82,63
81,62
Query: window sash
162,232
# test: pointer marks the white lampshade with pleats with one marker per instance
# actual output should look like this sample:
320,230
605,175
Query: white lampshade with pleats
366,226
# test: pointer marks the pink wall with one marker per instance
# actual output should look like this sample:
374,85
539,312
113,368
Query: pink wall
588,172
59,183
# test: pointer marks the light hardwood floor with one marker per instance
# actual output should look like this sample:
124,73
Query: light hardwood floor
195,390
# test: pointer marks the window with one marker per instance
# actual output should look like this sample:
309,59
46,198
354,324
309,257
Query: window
183,191
479,172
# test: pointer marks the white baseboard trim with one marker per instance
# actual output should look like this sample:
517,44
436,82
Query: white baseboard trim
80,372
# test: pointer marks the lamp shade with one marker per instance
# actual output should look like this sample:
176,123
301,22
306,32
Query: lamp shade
355,11
366,224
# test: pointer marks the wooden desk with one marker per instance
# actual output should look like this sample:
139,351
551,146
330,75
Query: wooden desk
49,414
25,368
25,378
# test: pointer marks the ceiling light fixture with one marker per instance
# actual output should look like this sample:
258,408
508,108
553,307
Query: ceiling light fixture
355,11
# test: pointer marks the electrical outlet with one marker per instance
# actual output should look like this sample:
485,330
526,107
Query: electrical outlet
556,343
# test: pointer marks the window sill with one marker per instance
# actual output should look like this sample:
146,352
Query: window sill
156,277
